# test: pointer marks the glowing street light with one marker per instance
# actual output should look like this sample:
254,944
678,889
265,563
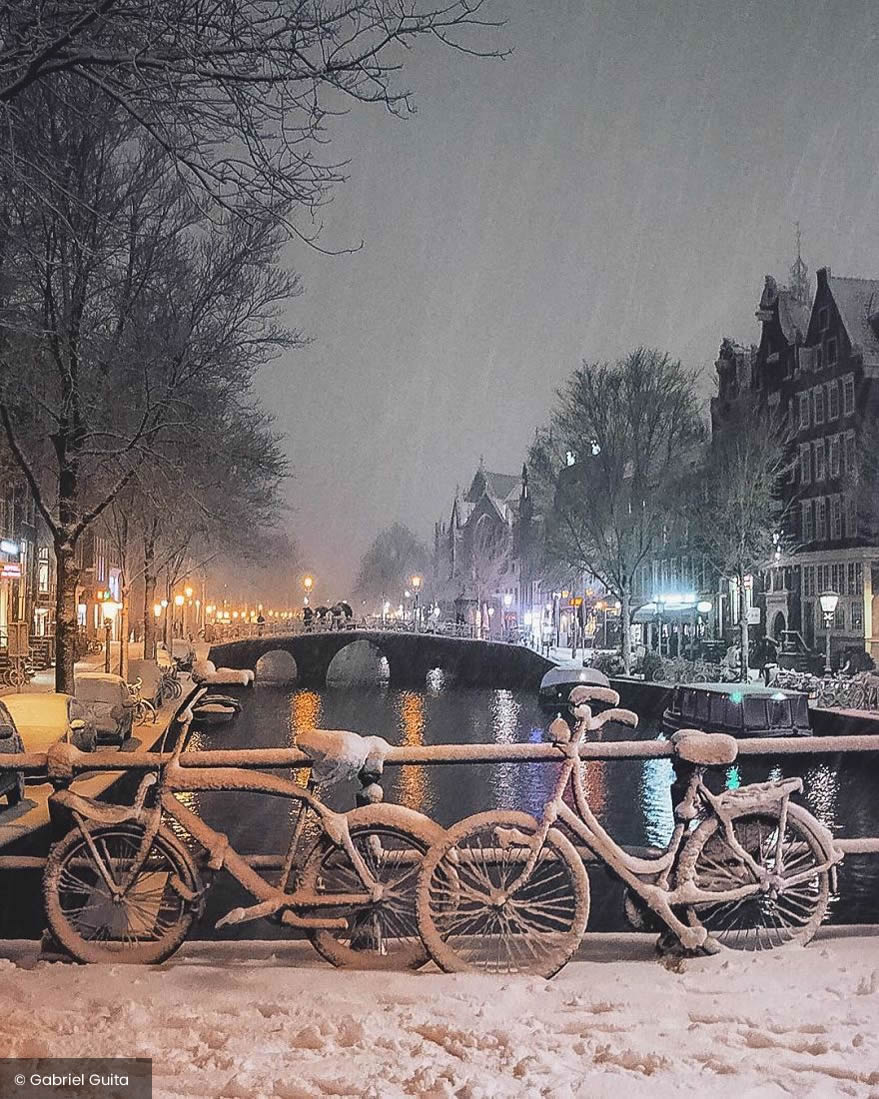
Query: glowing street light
828,600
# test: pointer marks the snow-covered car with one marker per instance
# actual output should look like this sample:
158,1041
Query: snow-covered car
42,719
109,700
11,782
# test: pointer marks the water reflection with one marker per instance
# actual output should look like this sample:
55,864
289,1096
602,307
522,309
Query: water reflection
412,785
631,798
821,791
657,775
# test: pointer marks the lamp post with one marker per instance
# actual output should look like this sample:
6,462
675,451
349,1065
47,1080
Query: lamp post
828,600
179,600
416,584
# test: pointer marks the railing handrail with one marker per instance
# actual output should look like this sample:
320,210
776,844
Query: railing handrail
38,763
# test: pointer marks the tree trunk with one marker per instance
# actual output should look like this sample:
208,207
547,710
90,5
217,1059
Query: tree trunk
626,627
743,629
65,616
149,618
124,616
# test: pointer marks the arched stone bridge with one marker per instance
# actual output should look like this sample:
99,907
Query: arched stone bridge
410,657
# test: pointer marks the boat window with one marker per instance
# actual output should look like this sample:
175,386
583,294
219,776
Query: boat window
702,706
755,712
719,710
779,711
688,703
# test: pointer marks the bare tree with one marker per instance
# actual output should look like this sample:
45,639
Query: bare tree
738,511
125,325
609,460
239,96
389,564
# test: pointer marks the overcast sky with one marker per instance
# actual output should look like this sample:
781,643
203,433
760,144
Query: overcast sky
626,177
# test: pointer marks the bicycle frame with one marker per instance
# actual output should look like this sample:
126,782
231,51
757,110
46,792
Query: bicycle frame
648,878
174,779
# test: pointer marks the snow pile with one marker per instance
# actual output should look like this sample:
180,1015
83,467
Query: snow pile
205,671
268,1019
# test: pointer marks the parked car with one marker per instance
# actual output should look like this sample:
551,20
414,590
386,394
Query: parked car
44,719
11,782
795,655
109,701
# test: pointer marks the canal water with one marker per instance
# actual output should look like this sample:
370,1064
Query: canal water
630,797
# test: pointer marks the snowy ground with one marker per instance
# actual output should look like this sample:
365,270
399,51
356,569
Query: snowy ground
270,1020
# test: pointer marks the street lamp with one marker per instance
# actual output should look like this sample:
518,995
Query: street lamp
828,600
416,584
110,608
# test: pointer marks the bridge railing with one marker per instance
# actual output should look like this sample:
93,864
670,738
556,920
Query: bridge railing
218,634
63,763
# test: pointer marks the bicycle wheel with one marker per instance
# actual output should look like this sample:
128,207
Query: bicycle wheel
473,912
392,841
765,920
147,923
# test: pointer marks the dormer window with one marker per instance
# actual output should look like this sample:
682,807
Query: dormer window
823,319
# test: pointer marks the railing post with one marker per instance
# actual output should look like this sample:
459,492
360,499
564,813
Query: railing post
370,792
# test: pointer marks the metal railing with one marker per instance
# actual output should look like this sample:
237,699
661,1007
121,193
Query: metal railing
217,634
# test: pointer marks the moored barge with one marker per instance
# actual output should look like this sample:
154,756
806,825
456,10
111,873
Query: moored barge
738,709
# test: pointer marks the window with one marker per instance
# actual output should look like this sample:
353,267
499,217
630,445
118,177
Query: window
831,352
808,580
820,460
43,571
839,617
805,463
821,521
835,453
834,579
851,518
819,404
822,319
819,357
848,395
833,400
836,518
804,411
850,462
808,531
857,614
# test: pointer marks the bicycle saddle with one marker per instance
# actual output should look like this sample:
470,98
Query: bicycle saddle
704,749
338,754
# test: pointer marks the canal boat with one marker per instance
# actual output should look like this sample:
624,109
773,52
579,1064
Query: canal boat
558,683
739,709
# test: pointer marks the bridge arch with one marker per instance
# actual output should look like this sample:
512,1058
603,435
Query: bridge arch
360,661
277,666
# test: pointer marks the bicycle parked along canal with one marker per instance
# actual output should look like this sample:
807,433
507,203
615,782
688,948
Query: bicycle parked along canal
121,887
746,868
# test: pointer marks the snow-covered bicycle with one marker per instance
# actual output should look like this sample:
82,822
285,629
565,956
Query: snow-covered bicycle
746,868
121,886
